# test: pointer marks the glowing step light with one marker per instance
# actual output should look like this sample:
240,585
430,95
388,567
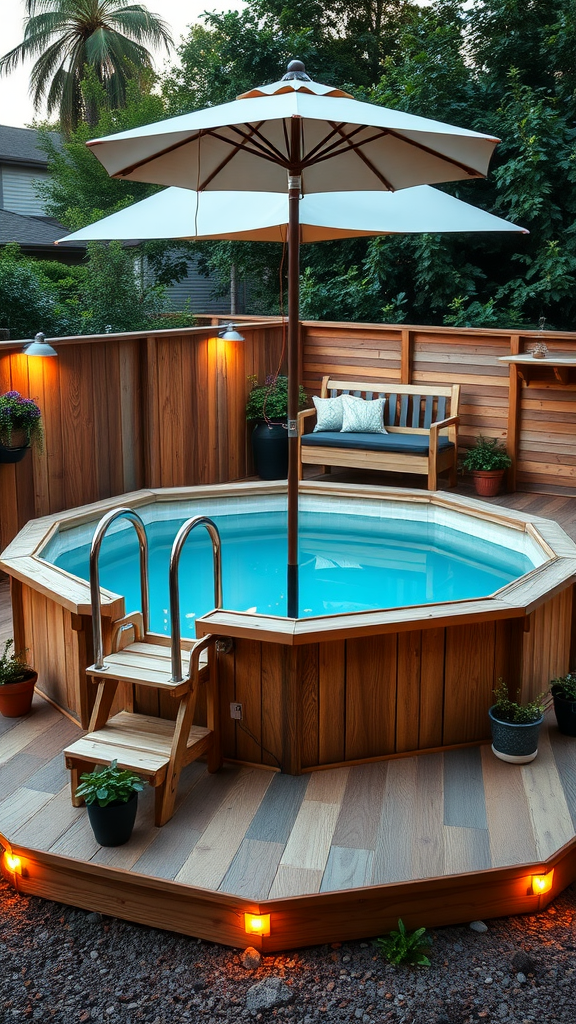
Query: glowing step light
542,883
13,863
257,924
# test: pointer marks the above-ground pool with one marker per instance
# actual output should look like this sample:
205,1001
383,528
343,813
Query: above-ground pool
389,655
356,557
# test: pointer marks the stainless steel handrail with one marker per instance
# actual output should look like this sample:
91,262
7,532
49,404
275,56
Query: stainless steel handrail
177,546
105,522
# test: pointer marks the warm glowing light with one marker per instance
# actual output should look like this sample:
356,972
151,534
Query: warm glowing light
13,863
542,883
257,924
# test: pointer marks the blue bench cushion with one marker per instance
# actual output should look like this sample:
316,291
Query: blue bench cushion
410,444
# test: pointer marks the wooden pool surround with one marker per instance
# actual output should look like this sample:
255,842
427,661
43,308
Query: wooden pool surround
332,690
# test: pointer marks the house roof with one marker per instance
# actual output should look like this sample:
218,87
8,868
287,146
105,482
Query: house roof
20,146
31,231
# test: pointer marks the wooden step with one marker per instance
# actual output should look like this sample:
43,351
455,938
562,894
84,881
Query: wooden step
144,664
139,742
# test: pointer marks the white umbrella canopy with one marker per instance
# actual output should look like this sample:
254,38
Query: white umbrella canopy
263,216
300,137
343,145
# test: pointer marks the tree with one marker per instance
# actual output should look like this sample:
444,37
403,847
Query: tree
69,35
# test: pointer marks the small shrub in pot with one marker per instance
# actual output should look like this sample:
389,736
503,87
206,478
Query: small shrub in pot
487,460
17,681
515,726
563,690
111,796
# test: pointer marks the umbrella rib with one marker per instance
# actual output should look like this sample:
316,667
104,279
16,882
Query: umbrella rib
432,152
343,146
326,139
356,149
260,151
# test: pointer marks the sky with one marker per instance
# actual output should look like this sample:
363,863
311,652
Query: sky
15,105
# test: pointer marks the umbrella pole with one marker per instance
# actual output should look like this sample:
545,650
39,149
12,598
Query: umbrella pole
294,186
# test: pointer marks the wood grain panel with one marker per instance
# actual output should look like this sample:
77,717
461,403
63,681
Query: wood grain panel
431,688
469,675
332,701
248,690
408,690
371,665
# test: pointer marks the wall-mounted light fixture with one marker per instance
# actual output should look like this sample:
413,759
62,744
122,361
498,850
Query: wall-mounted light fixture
40,347
229,333
542,883
257,924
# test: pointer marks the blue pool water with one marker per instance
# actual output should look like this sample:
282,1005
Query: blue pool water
348,563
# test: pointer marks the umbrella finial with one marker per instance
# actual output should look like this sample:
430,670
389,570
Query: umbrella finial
296,70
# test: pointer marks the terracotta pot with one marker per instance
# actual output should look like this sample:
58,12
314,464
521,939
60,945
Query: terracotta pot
487,481
16,698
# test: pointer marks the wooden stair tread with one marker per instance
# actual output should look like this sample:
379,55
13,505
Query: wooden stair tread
141,663
147,739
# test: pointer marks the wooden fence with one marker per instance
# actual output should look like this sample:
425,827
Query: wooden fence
167,409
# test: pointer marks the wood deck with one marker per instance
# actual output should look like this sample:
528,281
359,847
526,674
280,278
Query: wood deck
338,854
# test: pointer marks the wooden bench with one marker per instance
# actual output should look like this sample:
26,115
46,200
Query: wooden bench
421,424
155,748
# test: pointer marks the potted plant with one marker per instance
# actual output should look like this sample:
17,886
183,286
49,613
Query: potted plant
20,426
563,692
111,797
267,408
487,460
515,726
17,681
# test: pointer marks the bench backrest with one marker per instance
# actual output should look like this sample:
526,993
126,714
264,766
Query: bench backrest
409,408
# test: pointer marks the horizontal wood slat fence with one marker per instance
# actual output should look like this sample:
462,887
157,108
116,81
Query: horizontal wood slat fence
167,409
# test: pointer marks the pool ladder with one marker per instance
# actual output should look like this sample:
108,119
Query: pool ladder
154,747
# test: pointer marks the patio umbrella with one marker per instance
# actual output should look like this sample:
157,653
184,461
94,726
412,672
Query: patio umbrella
298,136
182,214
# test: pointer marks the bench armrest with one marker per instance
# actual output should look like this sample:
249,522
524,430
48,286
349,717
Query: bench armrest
302,416
440,424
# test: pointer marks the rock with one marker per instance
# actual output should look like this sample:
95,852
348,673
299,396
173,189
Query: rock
521,978
93,918
267,994
478,926
523,963
250,959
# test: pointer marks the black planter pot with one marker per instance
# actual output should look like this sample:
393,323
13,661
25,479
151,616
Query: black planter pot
112,825
565,711
270,450
516,742
11,455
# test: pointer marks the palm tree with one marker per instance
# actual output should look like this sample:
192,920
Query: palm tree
68,35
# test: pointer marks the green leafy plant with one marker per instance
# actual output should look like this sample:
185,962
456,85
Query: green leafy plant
565,686
269,401
507,710
13,668
488,453
20,414
403,947
109,784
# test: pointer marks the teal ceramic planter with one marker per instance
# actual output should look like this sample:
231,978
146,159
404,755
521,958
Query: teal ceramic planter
514,742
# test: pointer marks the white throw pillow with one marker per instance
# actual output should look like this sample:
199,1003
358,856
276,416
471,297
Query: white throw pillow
361,417
328,413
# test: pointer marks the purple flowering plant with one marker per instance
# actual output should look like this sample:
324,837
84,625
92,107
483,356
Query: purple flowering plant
20,415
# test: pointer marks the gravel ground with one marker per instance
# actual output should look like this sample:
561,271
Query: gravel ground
65,965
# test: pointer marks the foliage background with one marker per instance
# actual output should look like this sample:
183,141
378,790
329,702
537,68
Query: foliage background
504,67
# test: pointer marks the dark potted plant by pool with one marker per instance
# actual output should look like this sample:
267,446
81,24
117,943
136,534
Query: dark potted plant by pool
20,426
267,408
17,681
487,460
515,726
563,692
111,797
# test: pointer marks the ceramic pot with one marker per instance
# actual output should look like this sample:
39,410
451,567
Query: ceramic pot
112,825
487,481
516,742
270,450
16,698
565,711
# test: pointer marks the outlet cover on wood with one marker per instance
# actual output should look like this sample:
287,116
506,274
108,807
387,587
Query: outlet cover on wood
236,712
